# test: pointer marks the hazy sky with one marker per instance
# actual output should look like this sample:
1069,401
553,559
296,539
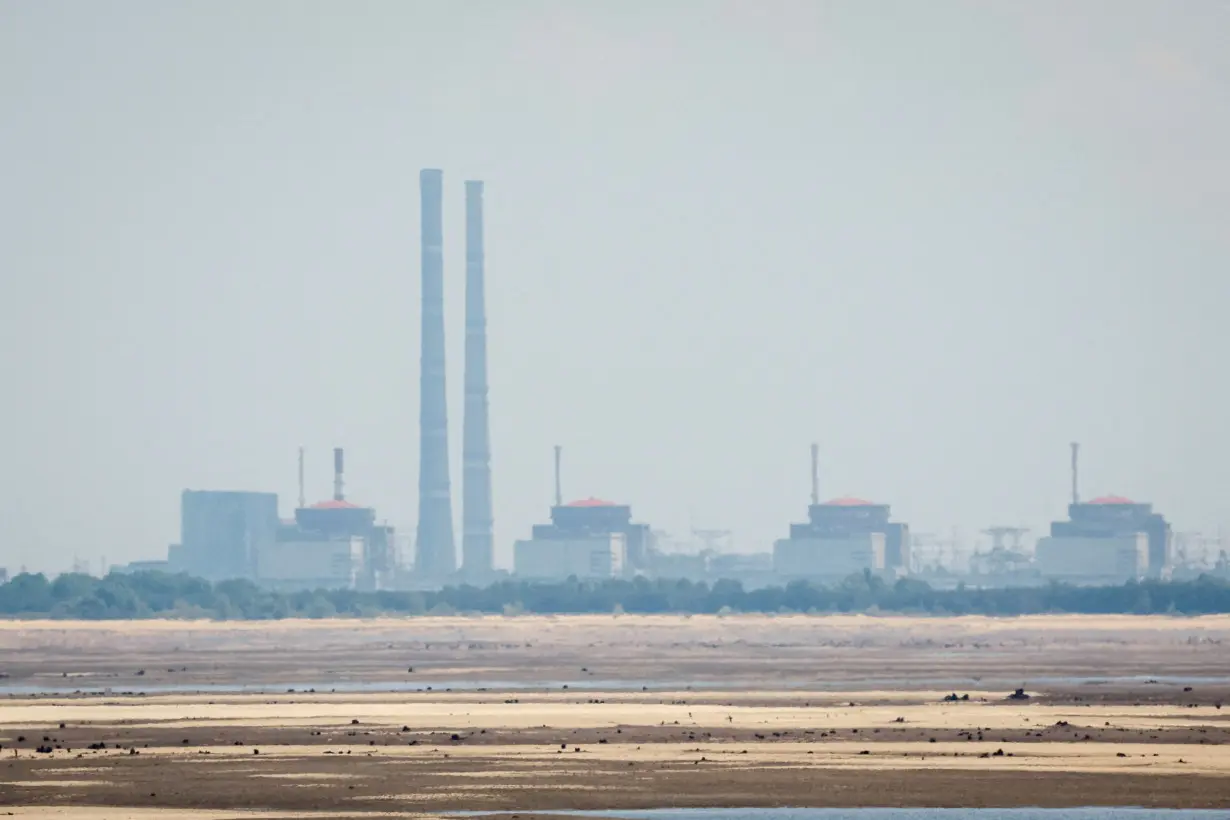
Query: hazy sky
942,239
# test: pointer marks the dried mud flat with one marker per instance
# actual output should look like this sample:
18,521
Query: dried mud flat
657,711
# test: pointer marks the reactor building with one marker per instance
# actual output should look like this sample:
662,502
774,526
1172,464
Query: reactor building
1107,540
333,544
587,539
842,537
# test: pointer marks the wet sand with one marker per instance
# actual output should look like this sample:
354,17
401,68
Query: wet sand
799,711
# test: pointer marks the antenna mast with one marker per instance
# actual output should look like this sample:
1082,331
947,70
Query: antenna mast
815,474
338,495
559,494
1076,449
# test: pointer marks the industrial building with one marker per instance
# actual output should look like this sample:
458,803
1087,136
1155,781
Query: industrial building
139,566
1108,540
1007,563
590,538
221,532
332,544
754,568
841,537
311,561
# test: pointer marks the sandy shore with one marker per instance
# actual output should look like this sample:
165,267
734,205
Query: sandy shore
781,711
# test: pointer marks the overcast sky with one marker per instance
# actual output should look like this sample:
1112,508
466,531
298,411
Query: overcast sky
942,239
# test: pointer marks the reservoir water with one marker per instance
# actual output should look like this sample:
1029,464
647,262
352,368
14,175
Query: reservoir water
478,683
1093,813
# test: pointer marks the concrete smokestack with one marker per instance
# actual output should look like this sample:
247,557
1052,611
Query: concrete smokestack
815,474
1076,496
338,468
435,551
302,494
559,493
477,537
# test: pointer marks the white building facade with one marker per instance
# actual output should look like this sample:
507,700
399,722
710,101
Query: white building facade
589,557
333,563
829,558
1089,560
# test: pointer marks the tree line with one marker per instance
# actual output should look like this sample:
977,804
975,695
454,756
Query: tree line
163,595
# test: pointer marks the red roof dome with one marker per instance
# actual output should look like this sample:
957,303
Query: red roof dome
1112,499
591,502
848,501
334,504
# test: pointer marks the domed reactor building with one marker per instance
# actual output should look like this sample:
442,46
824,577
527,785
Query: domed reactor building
842,537
330,544
586,539
1107,540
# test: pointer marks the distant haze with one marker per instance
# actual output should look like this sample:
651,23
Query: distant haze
942,239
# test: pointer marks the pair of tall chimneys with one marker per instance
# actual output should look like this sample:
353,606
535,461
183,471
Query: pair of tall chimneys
435,551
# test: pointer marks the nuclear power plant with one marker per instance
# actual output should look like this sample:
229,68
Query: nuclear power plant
336,542
589,538
841,537
1109,539
333,543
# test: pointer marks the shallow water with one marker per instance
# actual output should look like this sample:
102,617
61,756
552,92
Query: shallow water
607,685
1095,813
353,686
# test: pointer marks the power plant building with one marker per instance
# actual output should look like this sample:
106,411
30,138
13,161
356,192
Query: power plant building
588,539
311,561
1107,540
842,537
333,544
221,532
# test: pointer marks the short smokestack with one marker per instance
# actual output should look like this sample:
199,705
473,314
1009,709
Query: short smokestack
302,494
435,550
1076,496
477,524
559,493
338,468
815,474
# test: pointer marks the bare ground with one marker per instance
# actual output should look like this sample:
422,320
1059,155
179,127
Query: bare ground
802,711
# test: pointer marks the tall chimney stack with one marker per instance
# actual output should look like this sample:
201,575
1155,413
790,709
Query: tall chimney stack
815,474
559,493
477,536
338,467
435,550
1076,496
302,494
